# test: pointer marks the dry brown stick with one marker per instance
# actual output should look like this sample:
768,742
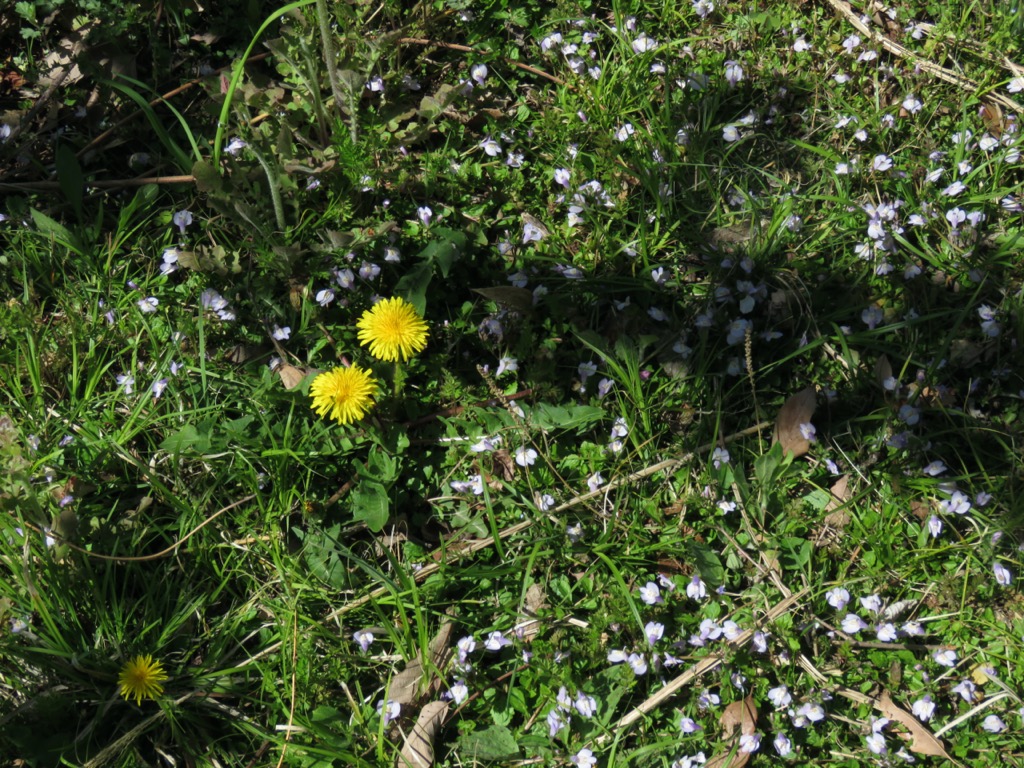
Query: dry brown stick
931,68
169,95
141,181
144,558
699,669
468,49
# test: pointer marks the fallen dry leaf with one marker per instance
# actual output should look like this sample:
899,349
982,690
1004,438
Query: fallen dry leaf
519,299
418,748
797,410
407,686
922,741
883,371
291,376
739,718
739,714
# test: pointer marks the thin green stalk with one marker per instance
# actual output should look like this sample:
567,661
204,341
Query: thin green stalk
275,192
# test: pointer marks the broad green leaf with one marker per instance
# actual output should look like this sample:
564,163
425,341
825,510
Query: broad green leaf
186,439
494,743
370,504
707,562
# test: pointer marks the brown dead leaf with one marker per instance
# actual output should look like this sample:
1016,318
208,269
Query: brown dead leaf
291,376
883,371
502,465
535,599
418,748
738,719
407,686
840,491
739,714
797,410
922,741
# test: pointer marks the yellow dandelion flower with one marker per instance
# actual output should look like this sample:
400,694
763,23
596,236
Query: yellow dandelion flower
344,394
140,679
393,330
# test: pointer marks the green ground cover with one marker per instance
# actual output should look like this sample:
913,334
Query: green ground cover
541,383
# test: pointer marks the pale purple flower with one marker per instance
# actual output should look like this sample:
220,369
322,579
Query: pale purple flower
555,722
923,708
703,8
653,631
730,133
1016,85
643,44
496,641
363,637
547,501
852,624
281,334
574,532
838,597
525,457
376,84
182,219
235,146
532,233
935,526
733,73
876,743
809,433
584,759
595,481
956,217
966,690
148,305
780,696
392,255
886,633
750,742
783,745
490,146
424,214
696,589
689,725
881,163
466,645
945,657
624,131
585,705
958,503
993,724
871,603
390,710
126,382
651,594
719,456
368,271
935,468
459,692
1002,574
812,711
478,73
158,388
324,297
637,663
562,176
617,656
